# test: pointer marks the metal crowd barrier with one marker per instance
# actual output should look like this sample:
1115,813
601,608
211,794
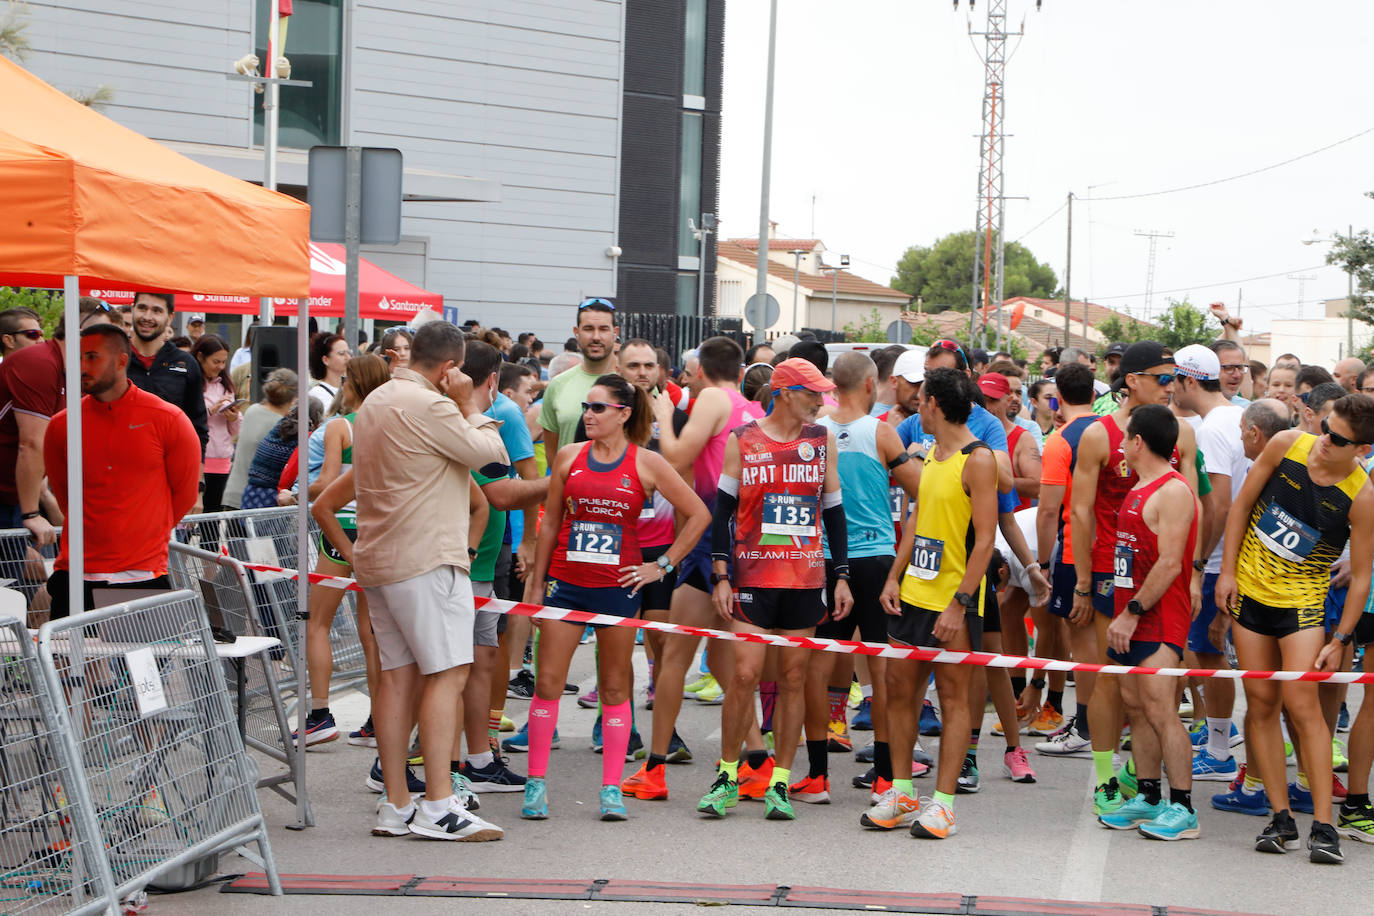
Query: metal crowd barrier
24,567
51,860
222,585
148,726
268,536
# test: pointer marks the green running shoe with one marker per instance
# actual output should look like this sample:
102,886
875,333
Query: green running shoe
1125,779
724,794
1107,798
1135,812
776,805
1357,823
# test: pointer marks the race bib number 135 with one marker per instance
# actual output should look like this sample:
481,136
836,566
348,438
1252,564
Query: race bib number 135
790,514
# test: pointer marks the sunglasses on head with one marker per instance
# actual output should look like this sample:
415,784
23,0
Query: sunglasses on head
596,302
601,406
1336,438
1161,378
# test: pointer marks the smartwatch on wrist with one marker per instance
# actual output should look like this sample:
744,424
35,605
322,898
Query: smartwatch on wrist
967,600
1134,608
1045,565
665,564
1343,638
717,578
1200,565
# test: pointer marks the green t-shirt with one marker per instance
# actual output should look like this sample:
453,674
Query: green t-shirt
563,403
1204,483
483,567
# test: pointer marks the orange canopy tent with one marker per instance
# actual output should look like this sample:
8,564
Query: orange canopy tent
88,201
87,197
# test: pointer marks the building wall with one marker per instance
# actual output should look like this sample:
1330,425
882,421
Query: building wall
524,92
1318,341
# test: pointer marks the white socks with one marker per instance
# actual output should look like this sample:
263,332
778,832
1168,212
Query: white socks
1219,737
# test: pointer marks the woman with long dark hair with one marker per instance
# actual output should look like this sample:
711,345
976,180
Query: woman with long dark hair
222,410
328,359
588,554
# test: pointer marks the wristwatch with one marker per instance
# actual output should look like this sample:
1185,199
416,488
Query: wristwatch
665,564
1344,638
967,600
1045,565
1200,565
717,578
1135,608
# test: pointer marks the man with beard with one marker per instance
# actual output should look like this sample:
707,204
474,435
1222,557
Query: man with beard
596,332
160,368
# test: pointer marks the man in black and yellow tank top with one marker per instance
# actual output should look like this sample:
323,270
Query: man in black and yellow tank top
1304,497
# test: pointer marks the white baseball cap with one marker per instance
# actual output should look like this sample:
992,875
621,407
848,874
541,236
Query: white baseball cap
911,366
1199,362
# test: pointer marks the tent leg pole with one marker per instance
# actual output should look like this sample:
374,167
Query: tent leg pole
304,815
74,526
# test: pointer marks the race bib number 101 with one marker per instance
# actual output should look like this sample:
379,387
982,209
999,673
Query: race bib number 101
926,556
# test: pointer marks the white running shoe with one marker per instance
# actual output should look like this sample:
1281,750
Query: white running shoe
1067,743
456,823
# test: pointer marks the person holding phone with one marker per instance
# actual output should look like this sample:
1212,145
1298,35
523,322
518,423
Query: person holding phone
224,410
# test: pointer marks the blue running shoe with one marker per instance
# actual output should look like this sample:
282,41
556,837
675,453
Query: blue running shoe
930,719
1299,799
863,718
1135,812
1239,801
596,735
1210,769
1175,822
536,806
635,749
414,784
864,754
1198,734
678,752
1343,720
519,743
613,805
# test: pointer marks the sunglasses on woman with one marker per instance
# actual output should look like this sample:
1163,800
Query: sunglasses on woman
601,406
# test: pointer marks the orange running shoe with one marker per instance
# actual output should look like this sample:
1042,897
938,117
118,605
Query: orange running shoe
814,790
646,784
754,783
839,740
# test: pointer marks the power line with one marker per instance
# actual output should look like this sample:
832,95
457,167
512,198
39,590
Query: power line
1190,288
1056,212
1217,181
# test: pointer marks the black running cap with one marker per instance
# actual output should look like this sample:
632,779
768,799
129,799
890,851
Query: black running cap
1140,356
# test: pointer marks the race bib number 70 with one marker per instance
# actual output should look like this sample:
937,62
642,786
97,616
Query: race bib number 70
1286,536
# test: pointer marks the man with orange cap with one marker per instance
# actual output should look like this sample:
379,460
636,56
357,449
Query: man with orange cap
779,481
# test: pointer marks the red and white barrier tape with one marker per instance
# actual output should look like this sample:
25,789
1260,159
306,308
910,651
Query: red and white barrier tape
849,647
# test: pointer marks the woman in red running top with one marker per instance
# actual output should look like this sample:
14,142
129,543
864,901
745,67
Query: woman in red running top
588,559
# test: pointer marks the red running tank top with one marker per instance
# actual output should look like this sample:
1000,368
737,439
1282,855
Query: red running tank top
600,530
1114,481
1013,438
778,523
1136,551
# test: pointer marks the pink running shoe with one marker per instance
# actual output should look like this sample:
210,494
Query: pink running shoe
1016,767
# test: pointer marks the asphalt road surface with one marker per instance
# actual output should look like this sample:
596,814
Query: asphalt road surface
1033,841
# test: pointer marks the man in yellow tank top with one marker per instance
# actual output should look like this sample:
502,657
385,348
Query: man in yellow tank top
1304,497
934,594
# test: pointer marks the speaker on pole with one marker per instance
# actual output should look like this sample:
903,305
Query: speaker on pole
274,347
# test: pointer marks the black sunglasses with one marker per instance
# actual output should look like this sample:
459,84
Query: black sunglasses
30,333
1336,438
601,406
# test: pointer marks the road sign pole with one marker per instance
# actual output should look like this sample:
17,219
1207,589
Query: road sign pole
761,281
353,222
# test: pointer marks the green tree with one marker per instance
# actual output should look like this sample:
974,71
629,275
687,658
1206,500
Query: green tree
1181,324
870,329
1354,254
942,274
48,303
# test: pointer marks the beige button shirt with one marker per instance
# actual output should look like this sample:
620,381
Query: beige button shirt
412,454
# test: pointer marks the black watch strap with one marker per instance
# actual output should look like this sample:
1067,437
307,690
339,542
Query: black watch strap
717,578
1344,639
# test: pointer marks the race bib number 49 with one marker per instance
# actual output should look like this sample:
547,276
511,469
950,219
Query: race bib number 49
926,556
790,514
1123,567
594,542
1286,536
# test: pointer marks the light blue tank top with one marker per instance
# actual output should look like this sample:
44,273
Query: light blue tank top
863,481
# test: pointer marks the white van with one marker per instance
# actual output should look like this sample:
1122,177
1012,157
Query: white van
835,349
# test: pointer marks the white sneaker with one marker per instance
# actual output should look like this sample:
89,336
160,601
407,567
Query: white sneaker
1067,743
457,823
462,790
392,821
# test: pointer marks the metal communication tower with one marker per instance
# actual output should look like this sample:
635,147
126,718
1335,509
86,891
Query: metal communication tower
989,250
1154,238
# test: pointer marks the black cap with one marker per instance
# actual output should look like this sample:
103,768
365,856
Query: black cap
978,356
1116,349
1138,357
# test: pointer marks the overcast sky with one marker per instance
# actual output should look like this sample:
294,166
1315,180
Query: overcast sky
878,106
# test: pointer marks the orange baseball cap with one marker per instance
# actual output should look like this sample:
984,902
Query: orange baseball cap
800,373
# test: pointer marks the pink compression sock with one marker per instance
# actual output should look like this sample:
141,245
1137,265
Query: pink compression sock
616,725
543,723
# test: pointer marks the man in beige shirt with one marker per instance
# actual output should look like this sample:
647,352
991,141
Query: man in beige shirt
415,440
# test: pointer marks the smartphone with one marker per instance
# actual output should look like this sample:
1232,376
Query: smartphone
239,404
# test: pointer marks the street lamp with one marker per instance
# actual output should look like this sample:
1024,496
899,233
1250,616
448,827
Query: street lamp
834,289
796,282
708,225
1349,293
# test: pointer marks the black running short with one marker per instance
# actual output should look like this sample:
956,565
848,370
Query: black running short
656,596
867,575
1277,622
781,608
916,627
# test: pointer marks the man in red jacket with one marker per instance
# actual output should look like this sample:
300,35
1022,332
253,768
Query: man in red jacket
140,471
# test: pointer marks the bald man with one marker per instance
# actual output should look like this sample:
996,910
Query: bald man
1347,373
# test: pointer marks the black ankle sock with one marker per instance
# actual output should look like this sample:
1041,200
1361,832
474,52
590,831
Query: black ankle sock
882,760
817,759
655,761
1354,800
1182,797
1080,722
1055,698
319,712
455,766
1150,790
756,759
1018,684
